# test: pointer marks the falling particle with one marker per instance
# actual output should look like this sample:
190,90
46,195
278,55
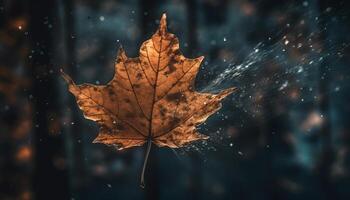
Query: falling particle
340,54
337,89
305,3
299,45
300,69
225,39
286,42
109,185
284,85
240,153
231,144
20,27
72,123
97,82
256,50
102,18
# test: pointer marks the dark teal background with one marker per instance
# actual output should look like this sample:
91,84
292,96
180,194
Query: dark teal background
283,135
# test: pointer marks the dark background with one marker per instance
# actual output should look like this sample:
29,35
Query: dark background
283,135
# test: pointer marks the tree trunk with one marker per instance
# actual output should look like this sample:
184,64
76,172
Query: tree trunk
50,174
78,167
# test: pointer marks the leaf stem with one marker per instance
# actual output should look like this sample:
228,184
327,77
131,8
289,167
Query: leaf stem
149,144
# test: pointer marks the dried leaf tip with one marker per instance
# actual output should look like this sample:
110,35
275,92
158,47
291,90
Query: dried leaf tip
227,92
121,52
162,24
200,59
66,77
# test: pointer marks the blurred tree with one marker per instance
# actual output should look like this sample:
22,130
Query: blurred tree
75,132
15,111
50,170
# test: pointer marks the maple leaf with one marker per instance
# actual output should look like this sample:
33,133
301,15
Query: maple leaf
151,98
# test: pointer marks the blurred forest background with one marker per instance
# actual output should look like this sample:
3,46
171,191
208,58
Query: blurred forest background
284,135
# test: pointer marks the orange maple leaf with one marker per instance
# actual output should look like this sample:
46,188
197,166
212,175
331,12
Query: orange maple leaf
151,98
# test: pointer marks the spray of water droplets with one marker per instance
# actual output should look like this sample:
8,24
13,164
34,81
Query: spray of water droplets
290,66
